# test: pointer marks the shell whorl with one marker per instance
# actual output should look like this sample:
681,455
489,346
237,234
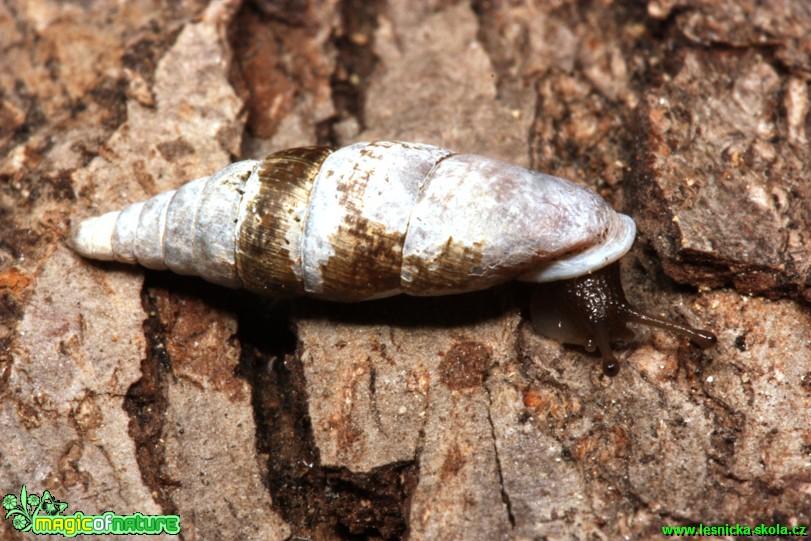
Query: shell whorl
366,221
188,231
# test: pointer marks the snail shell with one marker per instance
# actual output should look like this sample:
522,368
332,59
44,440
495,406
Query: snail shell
372,220
366,221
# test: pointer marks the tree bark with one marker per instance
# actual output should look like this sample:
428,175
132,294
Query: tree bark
432,418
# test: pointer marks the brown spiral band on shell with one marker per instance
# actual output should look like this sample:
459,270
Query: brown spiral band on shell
271,220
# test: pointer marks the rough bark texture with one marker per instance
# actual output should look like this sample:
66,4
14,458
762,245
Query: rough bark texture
442,418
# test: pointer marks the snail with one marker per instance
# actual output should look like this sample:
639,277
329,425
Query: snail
372,220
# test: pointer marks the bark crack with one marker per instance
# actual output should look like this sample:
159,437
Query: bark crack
354,65
505,497
146,405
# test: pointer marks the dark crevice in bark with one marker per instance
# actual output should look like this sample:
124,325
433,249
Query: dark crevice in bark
315,501
146,403
372,505
354,65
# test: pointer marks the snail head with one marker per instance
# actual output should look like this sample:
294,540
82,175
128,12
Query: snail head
591,310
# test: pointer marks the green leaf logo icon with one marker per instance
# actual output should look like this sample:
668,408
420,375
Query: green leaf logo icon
23,510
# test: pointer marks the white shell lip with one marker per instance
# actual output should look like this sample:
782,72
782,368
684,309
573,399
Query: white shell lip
619,239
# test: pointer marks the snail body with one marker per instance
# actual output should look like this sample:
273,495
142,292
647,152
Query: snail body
367,221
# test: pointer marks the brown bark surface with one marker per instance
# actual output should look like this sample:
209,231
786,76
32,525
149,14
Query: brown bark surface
443,418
